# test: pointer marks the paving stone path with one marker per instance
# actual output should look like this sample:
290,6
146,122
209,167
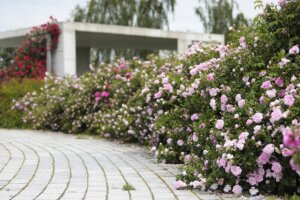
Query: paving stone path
50,166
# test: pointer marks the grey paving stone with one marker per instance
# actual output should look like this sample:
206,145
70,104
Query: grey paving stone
51,166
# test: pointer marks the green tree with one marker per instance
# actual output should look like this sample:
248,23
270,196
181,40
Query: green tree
218,15
139,13
154,13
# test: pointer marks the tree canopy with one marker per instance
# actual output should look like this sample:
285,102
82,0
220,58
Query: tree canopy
218,15
140,13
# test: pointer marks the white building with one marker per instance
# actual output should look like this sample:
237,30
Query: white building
72,55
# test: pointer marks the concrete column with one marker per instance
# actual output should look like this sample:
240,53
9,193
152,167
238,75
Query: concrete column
82,60
49,54
64,57
182,45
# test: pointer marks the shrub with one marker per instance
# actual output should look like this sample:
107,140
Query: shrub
221,111
29,60
9,91
229,133
69,104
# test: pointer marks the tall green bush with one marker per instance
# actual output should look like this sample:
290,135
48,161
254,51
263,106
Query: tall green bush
10,90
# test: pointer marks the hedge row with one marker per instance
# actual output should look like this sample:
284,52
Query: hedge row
230,113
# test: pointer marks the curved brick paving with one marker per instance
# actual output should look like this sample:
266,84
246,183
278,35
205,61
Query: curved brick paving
50,166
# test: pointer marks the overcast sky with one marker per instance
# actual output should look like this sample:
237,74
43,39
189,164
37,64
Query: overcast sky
26,13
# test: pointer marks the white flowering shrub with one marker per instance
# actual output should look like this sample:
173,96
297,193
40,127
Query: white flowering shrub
229,113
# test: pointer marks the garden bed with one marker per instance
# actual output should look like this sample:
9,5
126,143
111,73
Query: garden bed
229,114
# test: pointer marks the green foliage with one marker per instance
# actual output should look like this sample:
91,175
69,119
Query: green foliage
12,90
217,16
258,4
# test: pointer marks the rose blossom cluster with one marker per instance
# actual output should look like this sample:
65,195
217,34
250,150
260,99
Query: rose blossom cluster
29,60
291,141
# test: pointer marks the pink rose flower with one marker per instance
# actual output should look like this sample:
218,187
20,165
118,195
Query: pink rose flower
237,190
195,184
227,188
249,122
220,124
104,94
168,87
242,41
116,70
187,158
97,96
243,135
213,92
165,80
222,162
262,73
122,66
179,184
210,77
257,117
235,170
128,75
212,104
279,82
263,158
266,85
281,93
276,115
252,180
245,79
194,117
289,100
283,62
271,93
157,95
240,145
195,138
287,152
180,142
229,108
294,50
241,103
224,99
291,139
269,149
238,97
294,166
194,71
276,167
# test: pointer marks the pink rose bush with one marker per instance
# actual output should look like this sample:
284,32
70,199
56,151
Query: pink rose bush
243,112
71,104
228,113
291,140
